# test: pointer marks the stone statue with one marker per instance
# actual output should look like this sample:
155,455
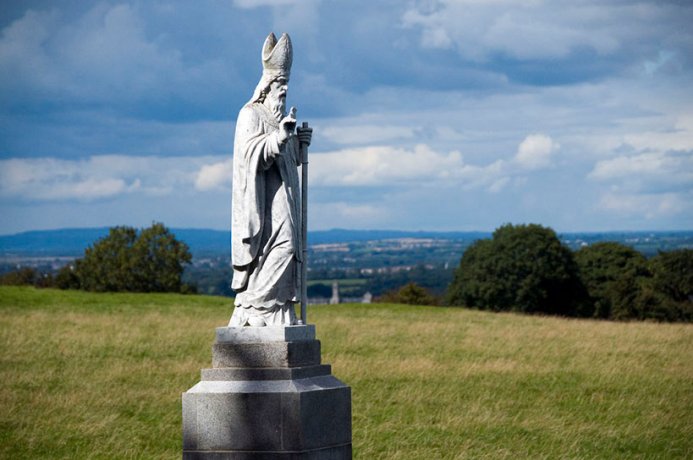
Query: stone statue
268,395
266,240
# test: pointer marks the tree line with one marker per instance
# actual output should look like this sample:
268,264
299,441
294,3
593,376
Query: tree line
126,260
526,268
521,268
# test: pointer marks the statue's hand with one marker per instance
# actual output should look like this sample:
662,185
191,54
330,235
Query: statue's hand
287,126
304,135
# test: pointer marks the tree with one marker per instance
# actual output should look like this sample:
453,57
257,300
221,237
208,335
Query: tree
149,261
521,268
107,265
670,289
159,260
673,274
623,285
605,265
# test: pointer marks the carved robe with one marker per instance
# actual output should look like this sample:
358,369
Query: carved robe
265,220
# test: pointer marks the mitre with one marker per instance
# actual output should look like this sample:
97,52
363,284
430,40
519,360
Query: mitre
277,56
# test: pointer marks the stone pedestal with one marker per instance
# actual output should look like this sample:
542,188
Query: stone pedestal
267,396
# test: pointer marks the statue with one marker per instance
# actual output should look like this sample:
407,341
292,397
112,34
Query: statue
267,246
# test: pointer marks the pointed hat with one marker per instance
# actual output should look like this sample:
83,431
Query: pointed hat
277,56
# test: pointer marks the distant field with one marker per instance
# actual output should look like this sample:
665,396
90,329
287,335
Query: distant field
100,376
342,282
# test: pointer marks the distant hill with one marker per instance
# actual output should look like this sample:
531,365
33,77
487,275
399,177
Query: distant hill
339,235
73,241
202,242
205,242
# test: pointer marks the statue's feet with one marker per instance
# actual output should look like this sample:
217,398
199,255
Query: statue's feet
256,321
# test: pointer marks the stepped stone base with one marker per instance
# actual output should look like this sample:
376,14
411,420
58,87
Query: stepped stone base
267,397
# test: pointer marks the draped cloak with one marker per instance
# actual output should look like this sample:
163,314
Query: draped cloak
265,217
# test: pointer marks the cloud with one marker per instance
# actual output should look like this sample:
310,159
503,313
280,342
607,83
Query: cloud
430,100
649,206
679,136
540,30
499,185
249,4
535,151
422,166
366,134
105,56
215,176
666,171
649,184
377,166
97,177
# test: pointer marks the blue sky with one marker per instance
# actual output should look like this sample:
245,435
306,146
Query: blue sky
431,115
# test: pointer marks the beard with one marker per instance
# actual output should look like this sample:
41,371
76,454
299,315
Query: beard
277,105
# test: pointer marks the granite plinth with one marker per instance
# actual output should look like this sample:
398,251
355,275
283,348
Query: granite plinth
292,373
327,453
265,334
266,354
267,398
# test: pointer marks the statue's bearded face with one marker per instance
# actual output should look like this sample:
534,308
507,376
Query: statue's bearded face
276,98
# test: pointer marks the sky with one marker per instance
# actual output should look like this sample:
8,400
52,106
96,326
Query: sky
427,115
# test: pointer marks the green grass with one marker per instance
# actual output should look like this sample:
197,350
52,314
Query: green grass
100,376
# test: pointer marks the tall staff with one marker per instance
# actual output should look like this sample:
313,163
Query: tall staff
303,147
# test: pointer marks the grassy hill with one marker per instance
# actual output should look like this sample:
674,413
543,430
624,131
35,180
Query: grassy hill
100,376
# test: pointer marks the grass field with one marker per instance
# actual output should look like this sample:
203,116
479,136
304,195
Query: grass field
101,375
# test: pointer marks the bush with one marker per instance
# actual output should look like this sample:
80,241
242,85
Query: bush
66,278
20,277
521,268
410,294
319,290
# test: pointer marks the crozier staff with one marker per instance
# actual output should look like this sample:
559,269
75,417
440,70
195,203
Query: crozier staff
266,240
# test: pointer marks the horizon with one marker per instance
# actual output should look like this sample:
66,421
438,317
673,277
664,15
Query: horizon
450,116
336,229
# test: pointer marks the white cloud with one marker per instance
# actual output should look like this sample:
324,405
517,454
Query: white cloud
356,211
384,166
535,151
678,137
423,166
338,213
536,29
650,206
106,55
97,177
649,171
499,185
215,176
52,179
649,184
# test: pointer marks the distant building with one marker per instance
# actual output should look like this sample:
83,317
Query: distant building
335,293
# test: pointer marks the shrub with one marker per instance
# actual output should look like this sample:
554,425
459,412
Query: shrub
66,278
411,294
20,277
